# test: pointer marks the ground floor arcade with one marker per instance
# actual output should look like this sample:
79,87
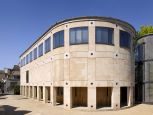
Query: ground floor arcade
84,97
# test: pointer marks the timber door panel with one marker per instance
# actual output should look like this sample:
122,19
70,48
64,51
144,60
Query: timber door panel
79,96
59,96
103,96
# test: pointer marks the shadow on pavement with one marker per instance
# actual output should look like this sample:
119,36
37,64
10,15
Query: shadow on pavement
10,110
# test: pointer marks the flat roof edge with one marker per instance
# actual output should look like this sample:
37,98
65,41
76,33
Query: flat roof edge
109,19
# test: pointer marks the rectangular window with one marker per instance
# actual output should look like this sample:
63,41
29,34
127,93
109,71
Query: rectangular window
125,39
104,35
27,59
31,56
24,61
35,53
40,50
47,45
58,39
21,62
78,35
27,76
140,52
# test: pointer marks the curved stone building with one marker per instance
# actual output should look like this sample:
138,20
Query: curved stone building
144,69
81,62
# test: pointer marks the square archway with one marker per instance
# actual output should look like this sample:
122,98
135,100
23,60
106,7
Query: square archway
123,97
103,97
35,92
47,96
41,93
59,95
79,97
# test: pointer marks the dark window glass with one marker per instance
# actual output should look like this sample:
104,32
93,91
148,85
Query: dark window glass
24,61
40,50
104,35
27,59
47,45
35,53
31,56
58,39
21,62
125,39
139,54
27,76
79,35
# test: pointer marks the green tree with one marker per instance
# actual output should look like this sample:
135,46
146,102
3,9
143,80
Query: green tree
145,30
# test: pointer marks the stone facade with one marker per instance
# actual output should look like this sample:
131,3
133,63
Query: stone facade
74,75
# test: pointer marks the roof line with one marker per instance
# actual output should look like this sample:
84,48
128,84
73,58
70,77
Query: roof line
151,34
109,19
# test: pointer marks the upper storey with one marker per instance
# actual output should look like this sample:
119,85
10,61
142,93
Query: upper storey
144,48
78,31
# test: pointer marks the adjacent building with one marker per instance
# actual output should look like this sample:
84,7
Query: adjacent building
9,78
81,62
144,69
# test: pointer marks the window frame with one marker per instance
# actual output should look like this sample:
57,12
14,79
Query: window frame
48,40
129,44
27,76
35,57
107,28
75,30
57,39
40,50
30,57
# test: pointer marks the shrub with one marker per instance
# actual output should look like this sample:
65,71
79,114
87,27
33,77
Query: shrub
17,90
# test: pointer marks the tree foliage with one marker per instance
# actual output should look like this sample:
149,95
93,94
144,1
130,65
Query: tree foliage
145,30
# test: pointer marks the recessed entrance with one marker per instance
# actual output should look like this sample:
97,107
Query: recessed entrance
41,93
35,92
30,91
27,90
103,96
123,96
47,94
79,96
59,95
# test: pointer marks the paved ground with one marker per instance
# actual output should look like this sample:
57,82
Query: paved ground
18,105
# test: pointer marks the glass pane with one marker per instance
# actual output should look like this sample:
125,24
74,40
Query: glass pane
125,40
72,36
104,35
41,49
47,45
98,35
110,36
78,36
84,35
61,38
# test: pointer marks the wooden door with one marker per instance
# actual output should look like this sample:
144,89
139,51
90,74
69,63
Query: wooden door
103,96
79,96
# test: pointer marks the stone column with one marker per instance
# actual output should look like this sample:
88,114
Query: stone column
29,91
67,97
45,94
33,92
38,93
53,96
92,98
115,103
25,91
130,96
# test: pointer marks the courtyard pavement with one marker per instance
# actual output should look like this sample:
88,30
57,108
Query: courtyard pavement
18,105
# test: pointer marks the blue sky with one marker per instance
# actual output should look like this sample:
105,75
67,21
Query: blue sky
23,21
